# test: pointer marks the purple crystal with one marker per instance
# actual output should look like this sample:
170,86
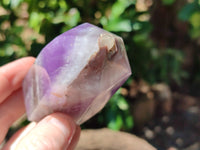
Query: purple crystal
76,73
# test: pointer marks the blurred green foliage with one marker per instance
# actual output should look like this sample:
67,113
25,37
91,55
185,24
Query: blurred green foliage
116,114
27,25
191,13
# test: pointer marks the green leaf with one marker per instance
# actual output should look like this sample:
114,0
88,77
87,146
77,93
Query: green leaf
129,122
119,25
73,17
185,13
115,22
15,3
168,2
116,123
195,33
6,2
122,104
119,7
195,20
36,20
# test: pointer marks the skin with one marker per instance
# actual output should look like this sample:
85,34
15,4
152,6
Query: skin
56,131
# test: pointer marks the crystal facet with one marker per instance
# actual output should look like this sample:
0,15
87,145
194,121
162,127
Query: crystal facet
76,73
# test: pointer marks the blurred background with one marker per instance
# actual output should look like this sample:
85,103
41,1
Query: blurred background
160,101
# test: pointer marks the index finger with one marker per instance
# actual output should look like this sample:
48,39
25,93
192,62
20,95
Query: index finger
12,75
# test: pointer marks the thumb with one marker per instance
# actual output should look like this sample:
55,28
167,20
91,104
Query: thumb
54,132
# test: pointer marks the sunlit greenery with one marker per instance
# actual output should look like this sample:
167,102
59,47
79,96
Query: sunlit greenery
26,26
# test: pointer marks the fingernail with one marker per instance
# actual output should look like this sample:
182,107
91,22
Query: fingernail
53,132
59,124
66,126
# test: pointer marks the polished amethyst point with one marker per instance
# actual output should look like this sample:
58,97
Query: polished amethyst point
76,73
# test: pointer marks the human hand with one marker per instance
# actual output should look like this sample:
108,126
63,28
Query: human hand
55,132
